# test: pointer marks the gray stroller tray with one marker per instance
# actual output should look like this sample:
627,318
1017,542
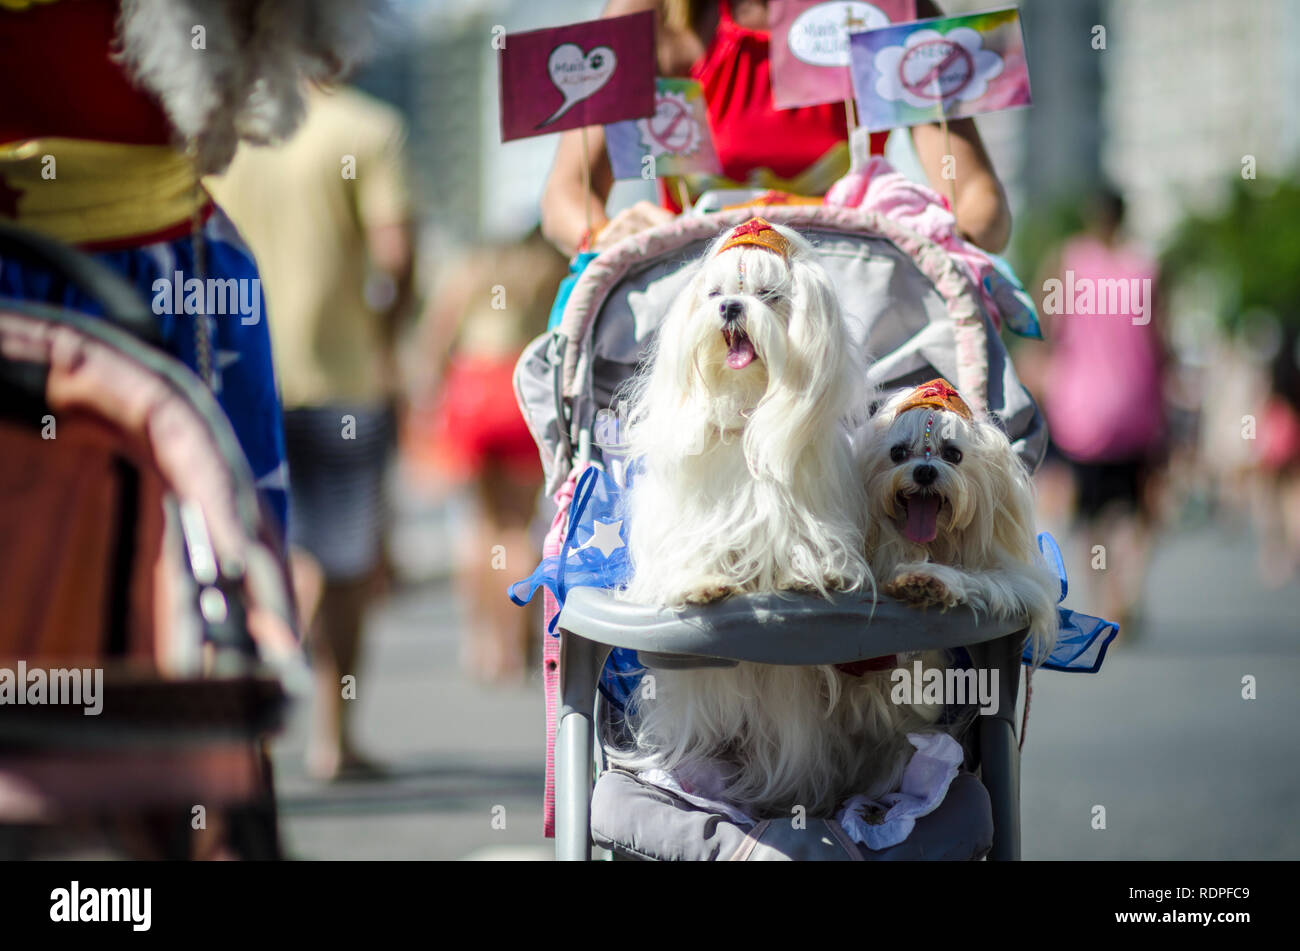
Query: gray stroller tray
759,629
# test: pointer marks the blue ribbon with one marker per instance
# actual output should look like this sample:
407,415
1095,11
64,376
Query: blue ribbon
1083,639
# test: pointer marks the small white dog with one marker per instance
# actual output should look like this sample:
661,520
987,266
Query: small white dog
950,512
748,486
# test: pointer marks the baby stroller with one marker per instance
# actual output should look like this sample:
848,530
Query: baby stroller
917,315
132,549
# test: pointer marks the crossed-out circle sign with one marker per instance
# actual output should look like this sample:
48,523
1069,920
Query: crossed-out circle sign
936,69
671,126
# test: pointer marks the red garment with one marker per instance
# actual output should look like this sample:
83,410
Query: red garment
1279,436
60,79
477,422
749,132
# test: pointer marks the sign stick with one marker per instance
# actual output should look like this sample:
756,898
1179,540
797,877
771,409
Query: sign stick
683,194
947,151
586,183
851,23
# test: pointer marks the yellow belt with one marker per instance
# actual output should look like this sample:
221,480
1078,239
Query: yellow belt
82,191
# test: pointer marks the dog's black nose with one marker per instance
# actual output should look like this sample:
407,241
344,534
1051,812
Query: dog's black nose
731,310
924,474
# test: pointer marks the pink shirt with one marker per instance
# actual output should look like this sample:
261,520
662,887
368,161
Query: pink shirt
1104,399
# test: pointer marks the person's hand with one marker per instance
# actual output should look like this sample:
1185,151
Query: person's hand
629,221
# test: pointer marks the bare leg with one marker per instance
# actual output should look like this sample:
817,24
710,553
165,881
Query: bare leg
308,583
503,552
335,655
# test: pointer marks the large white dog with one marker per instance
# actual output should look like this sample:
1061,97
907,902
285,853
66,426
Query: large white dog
748,486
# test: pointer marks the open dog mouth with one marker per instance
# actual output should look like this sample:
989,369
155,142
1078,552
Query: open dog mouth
740,349
920,515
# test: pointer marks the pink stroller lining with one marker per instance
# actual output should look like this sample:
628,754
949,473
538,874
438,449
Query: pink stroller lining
105,404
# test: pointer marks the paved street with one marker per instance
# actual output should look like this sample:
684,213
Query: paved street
1184,767
454,751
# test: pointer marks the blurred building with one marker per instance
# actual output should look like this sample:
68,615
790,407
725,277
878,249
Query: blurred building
1191,89
440,69
1061,147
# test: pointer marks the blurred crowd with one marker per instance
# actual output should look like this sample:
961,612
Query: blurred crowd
387,353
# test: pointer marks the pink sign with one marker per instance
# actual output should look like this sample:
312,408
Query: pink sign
810,45
582,74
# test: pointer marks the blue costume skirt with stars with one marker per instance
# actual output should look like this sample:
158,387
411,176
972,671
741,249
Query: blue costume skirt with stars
243,374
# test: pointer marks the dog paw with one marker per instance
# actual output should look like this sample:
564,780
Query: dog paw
921,590
801,588
708,591
838,583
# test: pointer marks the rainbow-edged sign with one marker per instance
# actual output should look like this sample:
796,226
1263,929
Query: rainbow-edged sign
810,45
677,137
953,67
589,73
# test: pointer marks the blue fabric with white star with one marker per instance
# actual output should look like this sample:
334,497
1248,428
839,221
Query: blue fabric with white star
594,554
243,373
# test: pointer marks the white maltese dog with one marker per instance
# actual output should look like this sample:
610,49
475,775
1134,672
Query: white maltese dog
748,485
950,513
738,419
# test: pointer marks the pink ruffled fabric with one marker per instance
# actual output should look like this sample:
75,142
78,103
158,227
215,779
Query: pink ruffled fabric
876,187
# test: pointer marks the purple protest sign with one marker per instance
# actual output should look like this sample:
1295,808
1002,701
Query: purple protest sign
582,74
810,45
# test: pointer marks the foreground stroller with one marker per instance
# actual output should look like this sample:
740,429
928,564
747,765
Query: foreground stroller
133,553
914,311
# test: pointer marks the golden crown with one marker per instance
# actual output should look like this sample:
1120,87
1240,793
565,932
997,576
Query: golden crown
937,394
759,233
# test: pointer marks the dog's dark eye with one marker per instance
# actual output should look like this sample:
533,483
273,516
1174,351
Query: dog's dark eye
716,292
769,295
898,453
951,454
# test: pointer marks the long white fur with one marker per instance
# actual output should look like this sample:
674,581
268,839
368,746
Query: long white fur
985,554
748,482
748,485
246,80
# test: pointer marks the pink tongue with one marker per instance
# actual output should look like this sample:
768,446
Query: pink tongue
922,518
741,353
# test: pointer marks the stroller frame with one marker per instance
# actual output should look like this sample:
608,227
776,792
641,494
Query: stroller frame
949,334
192,730
755,628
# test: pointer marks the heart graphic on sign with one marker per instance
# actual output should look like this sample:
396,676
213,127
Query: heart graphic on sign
578,75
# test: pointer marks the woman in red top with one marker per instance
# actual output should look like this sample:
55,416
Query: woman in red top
724,45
